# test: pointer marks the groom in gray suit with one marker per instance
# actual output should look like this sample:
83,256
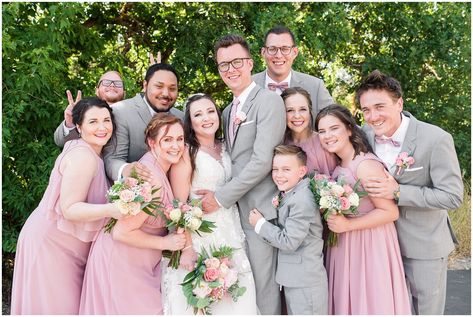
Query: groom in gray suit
133,115
424,188
279,53
254,124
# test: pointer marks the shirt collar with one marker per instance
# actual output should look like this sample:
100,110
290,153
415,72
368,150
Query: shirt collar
244,95
270,80
151,110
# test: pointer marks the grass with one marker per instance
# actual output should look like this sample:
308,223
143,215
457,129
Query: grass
461,223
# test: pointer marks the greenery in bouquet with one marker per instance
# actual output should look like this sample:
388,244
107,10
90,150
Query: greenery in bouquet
213,278
132,195
181,216
335,196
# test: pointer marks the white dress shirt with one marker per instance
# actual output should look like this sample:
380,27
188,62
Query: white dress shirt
387,152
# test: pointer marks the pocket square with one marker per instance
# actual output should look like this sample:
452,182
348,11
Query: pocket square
246,123
413,169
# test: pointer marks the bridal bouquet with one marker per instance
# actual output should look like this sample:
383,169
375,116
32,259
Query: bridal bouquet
335,196
213,278
131,196
185,216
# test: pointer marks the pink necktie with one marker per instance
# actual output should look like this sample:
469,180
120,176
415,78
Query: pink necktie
282,86
381,140
232,127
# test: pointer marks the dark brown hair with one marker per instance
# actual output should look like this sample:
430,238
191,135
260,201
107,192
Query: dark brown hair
229,40
291,92
189,133
376,80
280,29
358,138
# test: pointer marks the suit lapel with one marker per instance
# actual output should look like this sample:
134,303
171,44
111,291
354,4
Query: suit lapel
295,80
246,108
409,143
143,109
226,122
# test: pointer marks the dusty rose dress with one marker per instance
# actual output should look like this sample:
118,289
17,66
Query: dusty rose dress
122,279
365,271
317,158
52,252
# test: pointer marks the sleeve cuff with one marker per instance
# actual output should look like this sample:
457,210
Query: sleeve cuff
120,170
259,224
65,129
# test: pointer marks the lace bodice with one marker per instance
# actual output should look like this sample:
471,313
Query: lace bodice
210,173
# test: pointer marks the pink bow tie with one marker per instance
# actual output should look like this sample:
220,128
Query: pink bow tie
282,86
381,140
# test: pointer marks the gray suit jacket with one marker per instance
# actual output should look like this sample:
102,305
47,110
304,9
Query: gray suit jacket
131,118
428,188
298,236
60,139
315,86
252,154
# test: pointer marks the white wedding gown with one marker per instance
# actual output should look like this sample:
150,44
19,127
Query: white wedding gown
211,174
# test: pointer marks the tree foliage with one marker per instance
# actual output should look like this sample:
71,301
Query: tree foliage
51,47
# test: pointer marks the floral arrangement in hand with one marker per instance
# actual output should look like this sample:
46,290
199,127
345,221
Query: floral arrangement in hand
335,196
213,278
131,196
403,161
185,216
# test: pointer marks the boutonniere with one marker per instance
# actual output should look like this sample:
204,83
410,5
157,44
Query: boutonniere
240,117
276,201
404,160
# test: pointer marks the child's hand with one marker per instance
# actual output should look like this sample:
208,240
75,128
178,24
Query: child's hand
254,216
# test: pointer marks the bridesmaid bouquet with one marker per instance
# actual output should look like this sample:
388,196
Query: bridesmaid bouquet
213,278
335,196
131,196
185,216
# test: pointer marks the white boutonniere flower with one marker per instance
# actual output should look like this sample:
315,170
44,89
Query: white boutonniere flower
239,118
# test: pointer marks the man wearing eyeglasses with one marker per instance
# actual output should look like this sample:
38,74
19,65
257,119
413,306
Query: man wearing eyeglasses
279,53
254,124
109,88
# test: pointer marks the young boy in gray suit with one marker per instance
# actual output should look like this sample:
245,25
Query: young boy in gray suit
298,235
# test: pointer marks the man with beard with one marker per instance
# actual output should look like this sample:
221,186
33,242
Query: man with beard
133,115
109,88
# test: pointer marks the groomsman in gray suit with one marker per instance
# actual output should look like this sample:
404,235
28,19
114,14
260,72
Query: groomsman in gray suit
279,53
109,88
254,124
424,188
133,115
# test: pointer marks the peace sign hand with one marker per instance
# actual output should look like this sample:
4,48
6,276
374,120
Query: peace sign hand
153,60
70,106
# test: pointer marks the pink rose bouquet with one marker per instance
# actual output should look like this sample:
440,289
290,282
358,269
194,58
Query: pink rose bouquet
335,196
213,279
185,216
131,196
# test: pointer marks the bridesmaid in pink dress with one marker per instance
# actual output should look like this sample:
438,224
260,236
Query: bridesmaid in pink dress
365,271
54,243
123,274
299,131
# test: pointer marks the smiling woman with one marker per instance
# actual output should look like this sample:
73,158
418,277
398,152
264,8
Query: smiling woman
56,238
123,270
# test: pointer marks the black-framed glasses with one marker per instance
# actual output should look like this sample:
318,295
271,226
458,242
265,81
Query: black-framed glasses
236,63
108,83
273,50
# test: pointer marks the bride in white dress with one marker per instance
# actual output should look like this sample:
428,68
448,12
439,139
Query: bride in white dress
206,165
